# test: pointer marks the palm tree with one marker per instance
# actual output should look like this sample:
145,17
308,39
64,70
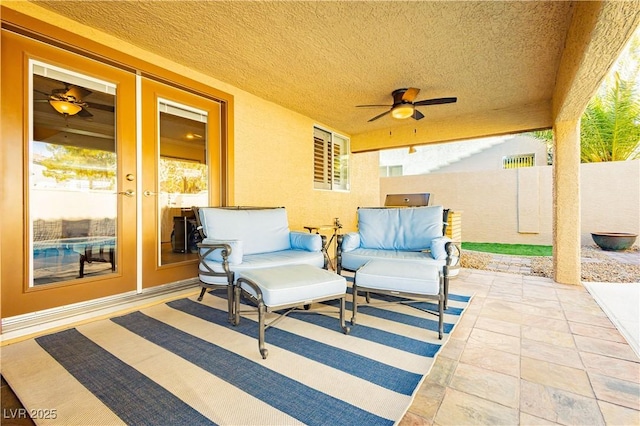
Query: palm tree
610,125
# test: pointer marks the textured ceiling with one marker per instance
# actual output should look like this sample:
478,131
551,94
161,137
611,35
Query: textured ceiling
323,58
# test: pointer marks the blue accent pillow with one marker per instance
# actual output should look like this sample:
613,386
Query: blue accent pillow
438,251
305,241
235,257
350,241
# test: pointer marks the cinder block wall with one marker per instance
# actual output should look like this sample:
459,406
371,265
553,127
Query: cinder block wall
515,206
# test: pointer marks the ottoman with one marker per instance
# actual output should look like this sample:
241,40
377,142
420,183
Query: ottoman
404,278
289,286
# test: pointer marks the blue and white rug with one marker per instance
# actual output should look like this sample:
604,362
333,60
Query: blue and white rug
182,363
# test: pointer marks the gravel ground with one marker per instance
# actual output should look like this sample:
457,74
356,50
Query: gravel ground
596,265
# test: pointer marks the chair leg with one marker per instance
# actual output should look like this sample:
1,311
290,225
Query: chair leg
230,303
446,291
112,259
440,318
441,301
236,304
355,302
261,314
202,292
345,329
82,260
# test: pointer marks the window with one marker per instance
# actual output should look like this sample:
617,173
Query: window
387,171
330,160
515,161
73,165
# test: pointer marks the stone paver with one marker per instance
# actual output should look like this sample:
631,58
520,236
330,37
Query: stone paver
460,408
530,352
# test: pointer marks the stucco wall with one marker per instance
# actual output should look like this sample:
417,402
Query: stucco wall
610,197
274,166
491,212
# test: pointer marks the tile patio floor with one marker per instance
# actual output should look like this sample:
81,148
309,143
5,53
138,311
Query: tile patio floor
532,352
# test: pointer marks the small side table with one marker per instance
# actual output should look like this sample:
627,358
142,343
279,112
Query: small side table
334,236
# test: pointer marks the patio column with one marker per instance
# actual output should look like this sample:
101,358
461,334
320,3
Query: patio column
566,202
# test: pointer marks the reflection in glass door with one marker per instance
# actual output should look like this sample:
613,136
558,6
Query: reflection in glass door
73,176
182,179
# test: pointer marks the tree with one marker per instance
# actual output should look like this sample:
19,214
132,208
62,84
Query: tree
610,126
183,177
72,162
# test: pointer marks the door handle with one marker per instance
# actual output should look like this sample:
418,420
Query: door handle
148,193
128,193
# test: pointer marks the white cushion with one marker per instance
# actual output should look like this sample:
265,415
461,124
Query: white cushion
354,259
408,229
305,241
264,260
350,241
404,276
235,257
294,284
437,248
260,230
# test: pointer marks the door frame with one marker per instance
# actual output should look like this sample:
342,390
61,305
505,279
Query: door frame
19,295
153,272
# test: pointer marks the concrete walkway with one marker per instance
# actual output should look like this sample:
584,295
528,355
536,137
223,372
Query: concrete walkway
621,303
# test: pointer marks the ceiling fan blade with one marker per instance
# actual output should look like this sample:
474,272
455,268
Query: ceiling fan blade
78,92
417,115
410,94
436,101
380,115
373,106
108,108
84,113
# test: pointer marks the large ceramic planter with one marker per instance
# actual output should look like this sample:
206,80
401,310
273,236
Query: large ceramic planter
613,241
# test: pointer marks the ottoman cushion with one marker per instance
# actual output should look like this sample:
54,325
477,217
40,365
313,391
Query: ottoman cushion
400,275
294,284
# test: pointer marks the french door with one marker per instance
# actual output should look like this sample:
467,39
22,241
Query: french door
99,170
68,178
181,154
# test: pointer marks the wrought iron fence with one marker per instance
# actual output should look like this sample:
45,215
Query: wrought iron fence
516,161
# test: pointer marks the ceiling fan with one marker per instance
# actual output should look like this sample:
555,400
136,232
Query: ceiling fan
404,105
69,101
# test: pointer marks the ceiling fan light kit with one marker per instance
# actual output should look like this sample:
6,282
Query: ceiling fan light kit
402,111
70,101
64,107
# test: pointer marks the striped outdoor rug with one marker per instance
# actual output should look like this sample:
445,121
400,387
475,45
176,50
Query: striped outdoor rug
182,363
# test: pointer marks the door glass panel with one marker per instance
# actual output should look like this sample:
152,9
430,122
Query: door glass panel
73,176
182,179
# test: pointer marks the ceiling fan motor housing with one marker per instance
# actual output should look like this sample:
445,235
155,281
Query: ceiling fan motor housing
397,97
